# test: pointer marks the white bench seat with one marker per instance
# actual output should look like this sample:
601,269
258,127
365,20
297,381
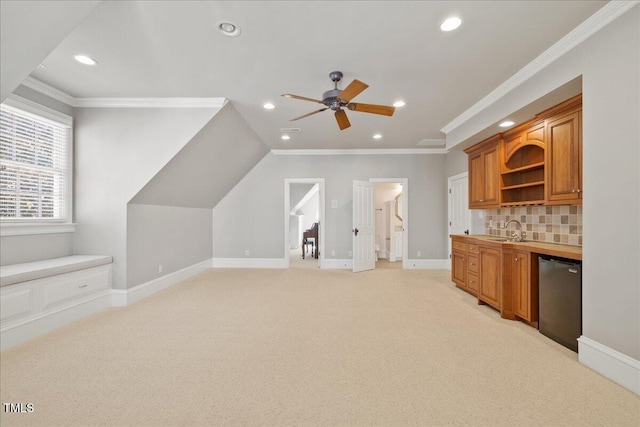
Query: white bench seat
18,273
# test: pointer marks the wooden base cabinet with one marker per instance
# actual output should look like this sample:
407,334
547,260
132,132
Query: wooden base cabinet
490,285
525,286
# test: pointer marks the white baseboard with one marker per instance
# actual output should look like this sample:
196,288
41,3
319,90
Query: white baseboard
614,365
33,326
337,264
125,297
250,263
426,264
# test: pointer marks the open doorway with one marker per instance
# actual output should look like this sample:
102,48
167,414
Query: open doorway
304,231
391,222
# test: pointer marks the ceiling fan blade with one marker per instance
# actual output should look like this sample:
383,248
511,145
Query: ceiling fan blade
309,114
342,119
351,91
371,108
304,98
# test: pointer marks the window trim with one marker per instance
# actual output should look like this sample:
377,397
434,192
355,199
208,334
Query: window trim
22,226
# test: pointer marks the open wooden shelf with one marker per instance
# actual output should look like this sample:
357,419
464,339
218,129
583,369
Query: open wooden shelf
523,203
526,184
526,168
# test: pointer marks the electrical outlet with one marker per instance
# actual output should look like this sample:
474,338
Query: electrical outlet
246,252
160,268
490,223
333,253
419,254
350,253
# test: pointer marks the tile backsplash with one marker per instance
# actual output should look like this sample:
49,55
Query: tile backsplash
554,224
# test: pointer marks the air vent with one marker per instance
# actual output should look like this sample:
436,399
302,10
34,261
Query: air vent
432,143
290,130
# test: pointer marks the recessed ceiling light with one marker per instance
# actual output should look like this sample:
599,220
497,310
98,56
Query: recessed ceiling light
285,137
86,60
506,124
229,29
399,104
450,24
377,136
269,106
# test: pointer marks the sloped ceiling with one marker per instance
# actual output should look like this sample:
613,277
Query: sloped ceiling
174,49
29,31
209,166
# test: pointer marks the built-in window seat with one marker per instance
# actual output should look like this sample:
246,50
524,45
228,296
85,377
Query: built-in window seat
37,297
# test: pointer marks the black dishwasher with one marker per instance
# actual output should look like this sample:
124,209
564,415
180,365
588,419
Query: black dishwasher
560,300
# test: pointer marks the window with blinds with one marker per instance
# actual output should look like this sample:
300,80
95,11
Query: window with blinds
34,167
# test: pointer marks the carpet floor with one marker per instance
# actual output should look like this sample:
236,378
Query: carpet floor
306,347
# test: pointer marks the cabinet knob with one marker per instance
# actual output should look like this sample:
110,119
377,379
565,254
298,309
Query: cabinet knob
516,259
579,190
573,191
473,263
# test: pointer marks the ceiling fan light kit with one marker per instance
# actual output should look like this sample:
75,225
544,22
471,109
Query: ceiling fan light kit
336,99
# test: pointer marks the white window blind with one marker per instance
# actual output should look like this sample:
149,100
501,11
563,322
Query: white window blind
34,167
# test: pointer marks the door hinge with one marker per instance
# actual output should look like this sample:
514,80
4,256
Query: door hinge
449,191
449,223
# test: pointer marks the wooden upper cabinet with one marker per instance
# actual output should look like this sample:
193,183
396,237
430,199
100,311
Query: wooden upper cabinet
484,174
564,158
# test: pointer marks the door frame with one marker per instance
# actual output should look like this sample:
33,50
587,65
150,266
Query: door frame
287,213
405,214
450,205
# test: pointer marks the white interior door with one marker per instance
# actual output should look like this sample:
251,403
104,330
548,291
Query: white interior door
459,213
363,226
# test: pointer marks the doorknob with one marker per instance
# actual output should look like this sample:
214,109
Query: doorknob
466,232
355,230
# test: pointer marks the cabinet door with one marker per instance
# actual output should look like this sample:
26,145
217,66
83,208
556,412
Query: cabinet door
459,268
476,181
521,284
563,159
490,283
491,169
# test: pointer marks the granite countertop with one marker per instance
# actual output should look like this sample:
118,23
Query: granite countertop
545,248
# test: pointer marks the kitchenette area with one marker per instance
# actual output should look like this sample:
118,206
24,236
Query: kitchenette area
527,184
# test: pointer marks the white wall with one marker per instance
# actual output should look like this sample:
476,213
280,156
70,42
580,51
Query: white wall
609,62
173,237
118,150
250,217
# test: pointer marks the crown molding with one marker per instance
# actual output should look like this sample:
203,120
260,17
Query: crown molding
385,151
58,95
150,102
590,26
49,91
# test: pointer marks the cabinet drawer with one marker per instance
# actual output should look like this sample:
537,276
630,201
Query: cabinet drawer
76,284
473,264
459,246
473,282
473,249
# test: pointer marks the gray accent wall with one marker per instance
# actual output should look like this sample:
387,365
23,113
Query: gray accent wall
204,171
609,62
251,216
456,162
35,247
118,151
167,236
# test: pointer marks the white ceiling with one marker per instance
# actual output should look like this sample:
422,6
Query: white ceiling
173,49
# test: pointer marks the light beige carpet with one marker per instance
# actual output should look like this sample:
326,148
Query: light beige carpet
307,347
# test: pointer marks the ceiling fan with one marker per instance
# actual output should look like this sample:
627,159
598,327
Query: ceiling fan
335,99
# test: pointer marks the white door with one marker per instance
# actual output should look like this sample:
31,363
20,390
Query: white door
459,213
363,226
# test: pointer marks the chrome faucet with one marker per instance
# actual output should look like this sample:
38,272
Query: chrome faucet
518,235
